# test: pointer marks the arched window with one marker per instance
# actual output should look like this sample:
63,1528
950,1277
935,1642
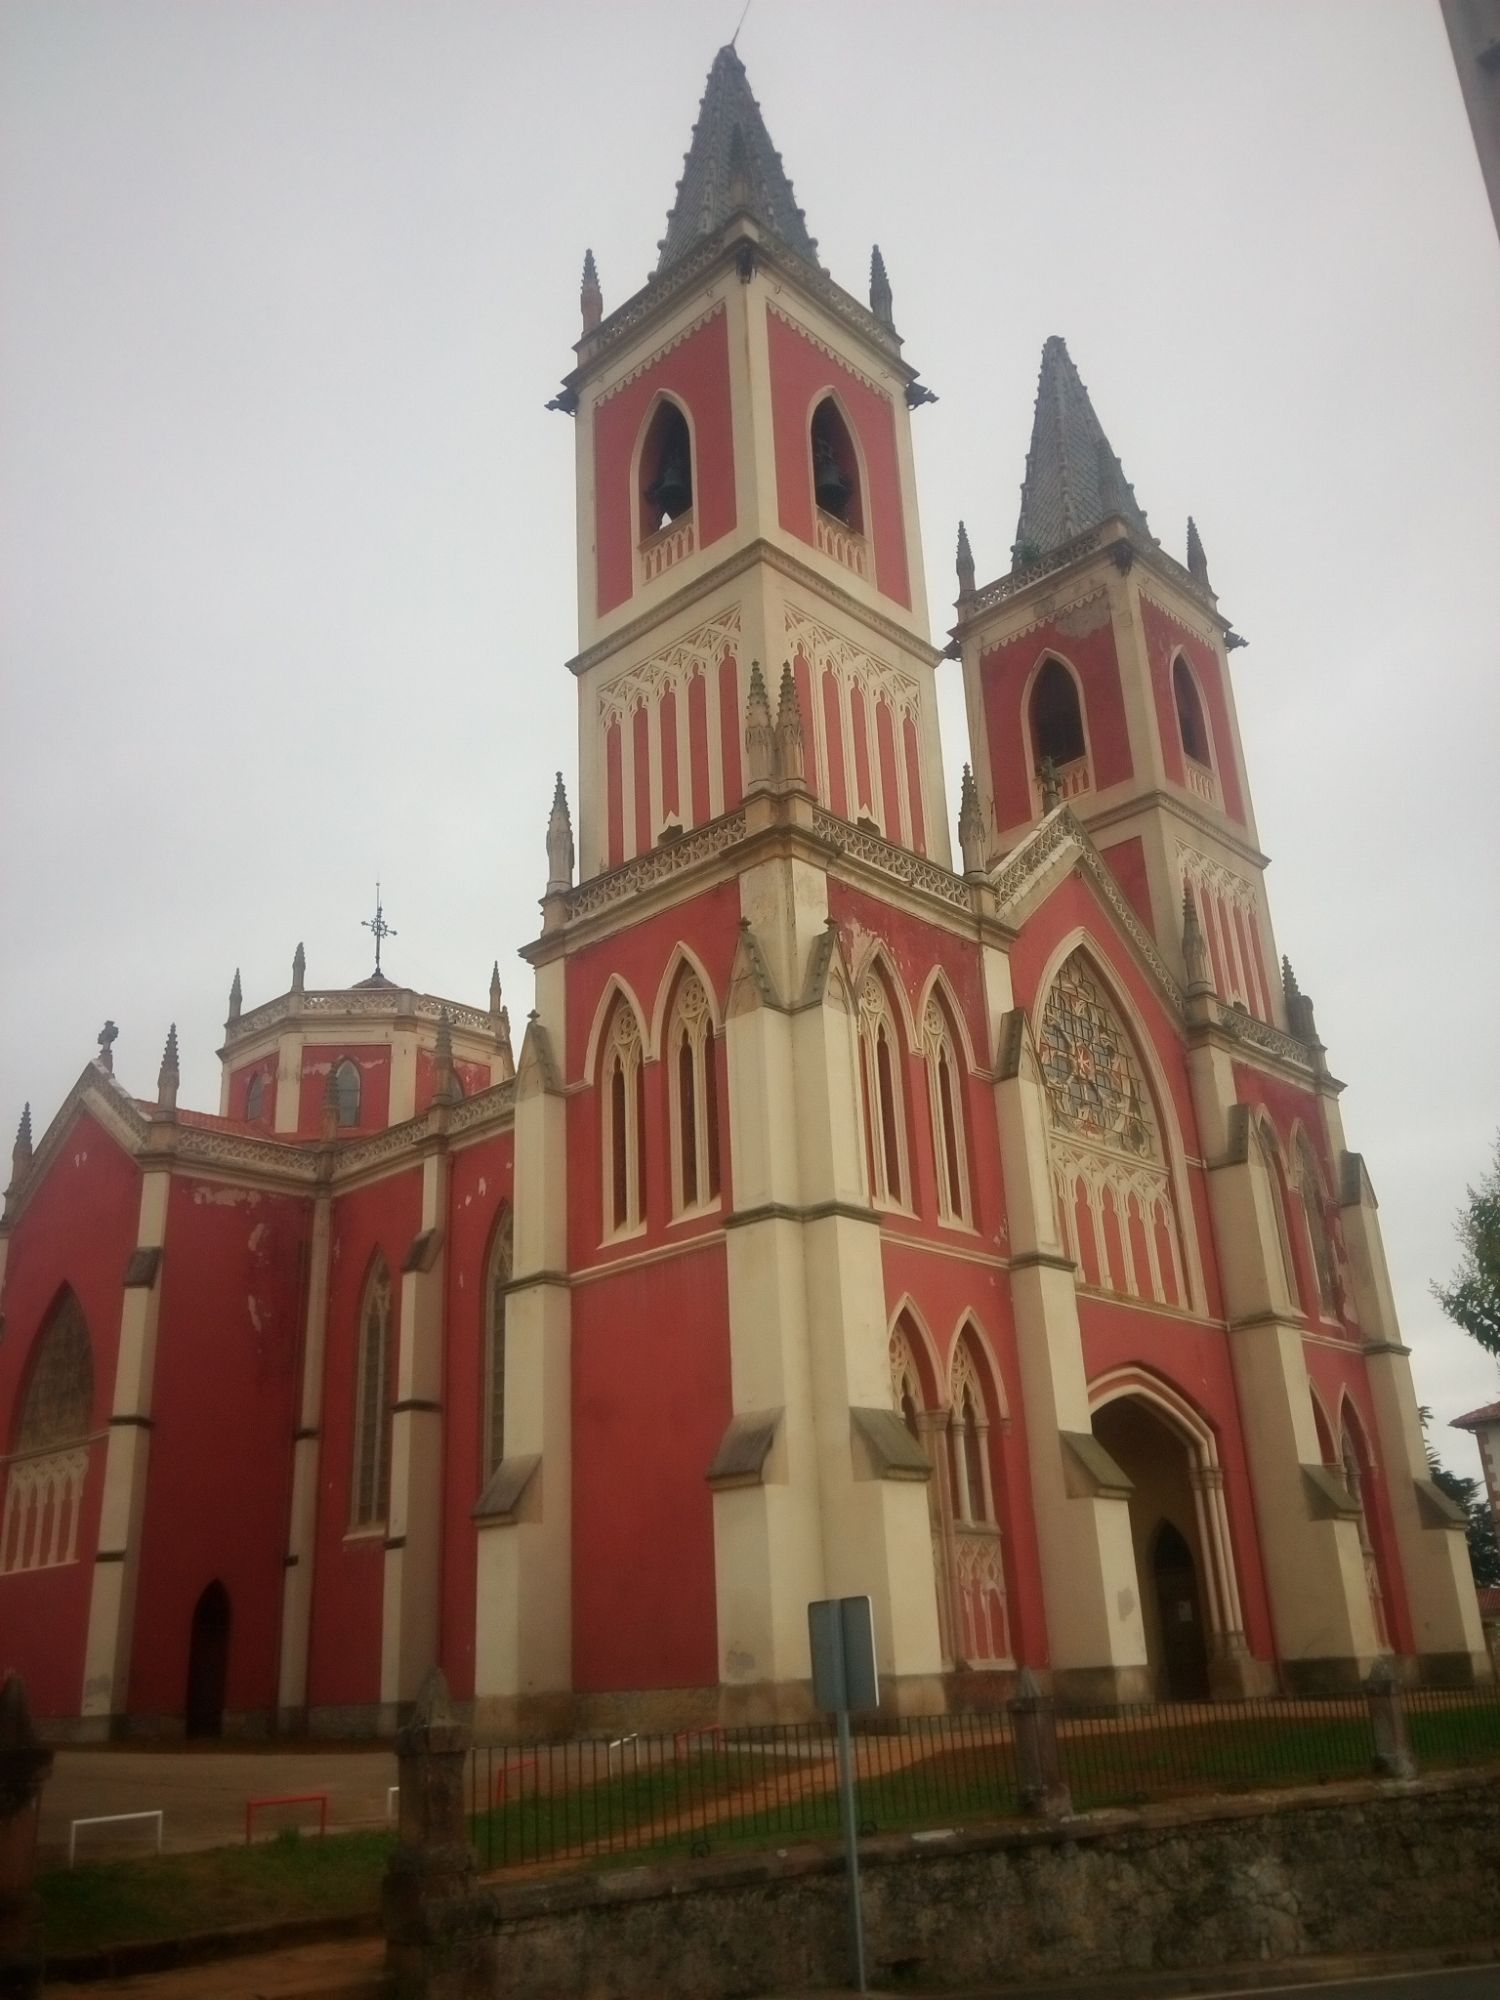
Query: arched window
666,469
982,1635
624,1120
835,467
1190,723
255,1097
502,1258
1113,1188
880,1072
906,1381
346,1092
1056,718
1269,1155
694,1091
1355,1459
945,1074
44,1486
372,1426
1320,1240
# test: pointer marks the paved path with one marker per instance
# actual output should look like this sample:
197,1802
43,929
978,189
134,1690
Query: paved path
203,1792
348,1971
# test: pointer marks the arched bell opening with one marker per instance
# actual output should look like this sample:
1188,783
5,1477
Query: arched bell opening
1179,1534
666,469
835,467
208,1662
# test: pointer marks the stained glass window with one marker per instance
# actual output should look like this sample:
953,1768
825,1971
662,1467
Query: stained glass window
59,1401
1094,1089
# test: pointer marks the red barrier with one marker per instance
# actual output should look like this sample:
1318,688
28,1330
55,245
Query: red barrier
685,1736
318,1799
508,1770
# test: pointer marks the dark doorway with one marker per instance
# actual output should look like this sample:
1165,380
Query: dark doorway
1184,1651
208,1663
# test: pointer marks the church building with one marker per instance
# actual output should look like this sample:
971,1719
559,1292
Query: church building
969,1224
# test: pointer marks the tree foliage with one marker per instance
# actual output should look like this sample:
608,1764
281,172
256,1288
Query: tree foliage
1484,1552
1471,1298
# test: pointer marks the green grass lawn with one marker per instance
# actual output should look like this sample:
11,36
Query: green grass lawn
174,1895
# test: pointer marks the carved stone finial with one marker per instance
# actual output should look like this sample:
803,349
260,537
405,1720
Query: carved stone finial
496,997
503,1042
1197,561
299,970
964,563
789,743
760,744
1195,957
20,1152
1051,787
880,290
1289,984
167,1077
559,843
445,1080
236,996
108,1035
590,298
970,825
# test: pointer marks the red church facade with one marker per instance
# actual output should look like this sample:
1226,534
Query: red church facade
975,1230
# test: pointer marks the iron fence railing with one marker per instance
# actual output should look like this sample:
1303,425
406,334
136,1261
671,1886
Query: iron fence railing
708,1790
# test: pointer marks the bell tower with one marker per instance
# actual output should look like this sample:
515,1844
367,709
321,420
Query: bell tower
745,494
1096,672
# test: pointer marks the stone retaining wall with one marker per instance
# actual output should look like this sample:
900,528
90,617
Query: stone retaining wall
1352,1868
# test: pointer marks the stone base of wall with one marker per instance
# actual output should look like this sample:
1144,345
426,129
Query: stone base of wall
1350,1869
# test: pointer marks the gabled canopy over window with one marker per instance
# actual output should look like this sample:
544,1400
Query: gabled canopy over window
1056,716
1190,713
346,1092
666,469
835,467
58,1405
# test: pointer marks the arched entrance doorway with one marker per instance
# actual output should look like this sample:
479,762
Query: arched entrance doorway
1179,1531
208,1662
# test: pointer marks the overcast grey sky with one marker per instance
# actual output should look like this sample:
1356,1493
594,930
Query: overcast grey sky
286,535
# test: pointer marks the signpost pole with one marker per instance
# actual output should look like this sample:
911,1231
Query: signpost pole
841,1638
851,1847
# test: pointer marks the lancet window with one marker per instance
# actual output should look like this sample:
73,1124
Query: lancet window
1269,1157
1058,745
624,1098
945,1075
44,1486
694,1091
881,1058
1320,1240
666,469
1190,722
371,1484
835,467
497,1290
346,1092
1351,1452
1110,1175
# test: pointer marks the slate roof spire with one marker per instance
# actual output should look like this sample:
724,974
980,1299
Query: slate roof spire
1073,479
732,164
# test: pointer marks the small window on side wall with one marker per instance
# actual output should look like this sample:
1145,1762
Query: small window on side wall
1190,722
346,1092
255,1097
666,470
835,467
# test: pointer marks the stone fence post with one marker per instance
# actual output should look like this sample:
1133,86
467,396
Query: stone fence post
1044,1790
431,1873
24,1767
1392,1756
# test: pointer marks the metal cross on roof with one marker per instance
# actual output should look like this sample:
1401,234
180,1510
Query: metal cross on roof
378,925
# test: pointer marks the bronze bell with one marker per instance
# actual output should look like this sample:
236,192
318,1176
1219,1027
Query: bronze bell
830,487
671,492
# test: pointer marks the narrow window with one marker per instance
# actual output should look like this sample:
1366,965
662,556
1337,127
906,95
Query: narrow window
372,1430
255,1097
1056,717
943,1073
666,470
835,467
880,1057
1310,1187
687,1122
501,1264
974,1445
694,1097
1190,713
346,1092
624,1119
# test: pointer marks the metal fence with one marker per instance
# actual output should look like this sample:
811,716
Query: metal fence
708,1790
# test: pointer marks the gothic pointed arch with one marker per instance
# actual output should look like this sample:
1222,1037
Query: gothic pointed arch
689,1044
622,1101
1315,1215
370,1455
1057,725
50,1444
836,464
1192,714
979,1594
1358,1463
882,1069
1112,1162
1269,1178
616,989
943,1053
664,465
348,1090
915,1374
499,1267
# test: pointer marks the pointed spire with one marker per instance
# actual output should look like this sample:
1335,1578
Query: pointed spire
1197,561
496,997
1195,961
731,164
299,970
236,996
964,562
559,843
167,1077
590,298
880,290
1073,479
760,742
20,1152
789,747
970,825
